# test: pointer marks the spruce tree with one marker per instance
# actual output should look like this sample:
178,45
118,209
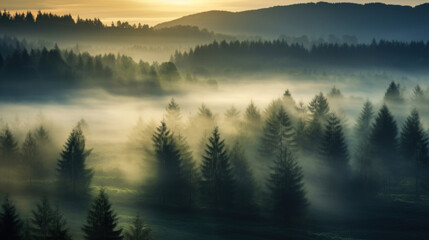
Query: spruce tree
42,220
170,182
334,153
101,222
10,224
173,117
318,108
189,171
363,125
30,154
8,150
393,93
232,114
217,179
414,148
418,94
138,230
244,182
384,144
74,178
58,229
286,188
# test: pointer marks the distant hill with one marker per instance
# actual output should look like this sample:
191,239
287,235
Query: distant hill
368,21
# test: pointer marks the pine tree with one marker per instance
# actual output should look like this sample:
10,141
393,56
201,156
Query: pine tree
101,222
318,108
205,112
173,117
138,231
414,146
217,180
244,181
189,171
384,144
363,126
418,94
30,154
252,114
41,135
335,93
42,220
232,114
285,183
74,177
170,181
334,152
278,131
393,94
58,229
8,150
10,224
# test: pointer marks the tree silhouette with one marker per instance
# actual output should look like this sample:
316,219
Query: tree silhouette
30,154
42,220
58,229
10,224
414,147
8,150
173,116
285,183
244,181
384,145
170,182
318,108
74,177
138,231
217,180
393,93
101,222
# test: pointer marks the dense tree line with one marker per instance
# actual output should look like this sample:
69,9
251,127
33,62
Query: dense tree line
42,23
41,71
279,55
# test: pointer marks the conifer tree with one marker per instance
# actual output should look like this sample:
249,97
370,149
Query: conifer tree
252,114
27,230
335,93
8,150
169,183
10,224
318,108
101,222
30,154
217,180
363,126
74,177
205,112
42,220
189,171
173,117
418,94
232,114
58,229
384,144
334,152
285,183
414,147
244,181
138,230
393,93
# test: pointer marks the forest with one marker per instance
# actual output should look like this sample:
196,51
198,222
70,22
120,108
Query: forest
282,165
305,121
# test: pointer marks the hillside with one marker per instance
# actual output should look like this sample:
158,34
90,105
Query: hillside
368,21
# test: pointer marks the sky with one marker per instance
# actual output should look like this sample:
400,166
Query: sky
151,12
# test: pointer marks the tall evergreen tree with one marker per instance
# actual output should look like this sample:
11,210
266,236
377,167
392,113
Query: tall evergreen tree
138,231
30,154
244,182
74,177
418,94
318,108
334,152
42,220
10,224
393,93
173,117
189,171
58,229
232,114
414,147
217,179
8,150
101,222
384,144
169,183
285,183
363,125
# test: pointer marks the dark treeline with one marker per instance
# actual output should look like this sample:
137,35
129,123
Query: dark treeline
34,72
279,55
48,24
